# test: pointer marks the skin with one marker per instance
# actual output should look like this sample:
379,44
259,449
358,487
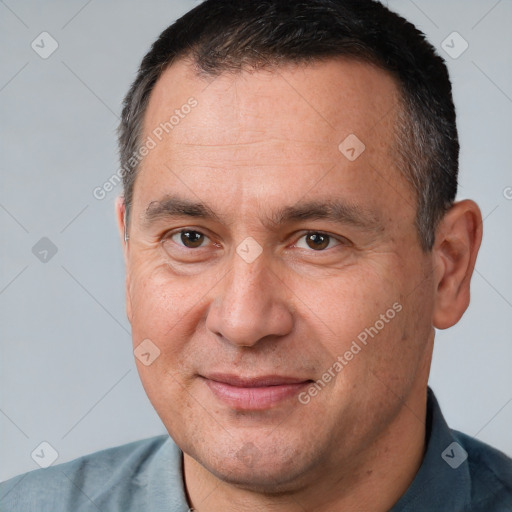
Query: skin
259,141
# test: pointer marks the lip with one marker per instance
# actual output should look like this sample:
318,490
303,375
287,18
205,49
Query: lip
254,393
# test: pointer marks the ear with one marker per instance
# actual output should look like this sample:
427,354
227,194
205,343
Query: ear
121,226
121,218
458,239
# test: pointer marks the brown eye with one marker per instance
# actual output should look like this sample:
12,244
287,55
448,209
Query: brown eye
317,241
189,238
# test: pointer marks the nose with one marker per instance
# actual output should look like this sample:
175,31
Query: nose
250,304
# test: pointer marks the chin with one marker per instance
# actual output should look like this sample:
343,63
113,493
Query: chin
273,472
266,481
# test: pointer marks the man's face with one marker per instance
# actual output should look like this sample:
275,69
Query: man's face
299,250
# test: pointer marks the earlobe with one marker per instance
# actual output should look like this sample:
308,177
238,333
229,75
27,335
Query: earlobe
455,250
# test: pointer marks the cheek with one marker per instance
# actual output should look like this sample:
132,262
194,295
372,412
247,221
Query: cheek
399,352
166,308
157,303
165,312
367,315
348,303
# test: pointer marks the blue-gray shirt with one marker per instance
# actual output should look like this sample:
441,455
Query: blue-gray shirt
458,473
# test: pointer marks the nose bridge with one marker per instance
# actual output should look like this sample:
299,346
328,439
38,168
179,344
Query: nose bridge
249,305
247,283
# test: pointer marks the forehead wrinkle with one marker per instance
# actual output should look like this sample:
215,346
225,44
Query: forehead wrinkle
277,143
272,152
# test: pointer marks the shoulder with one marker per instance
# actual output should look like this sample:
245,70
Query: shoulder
490,472
114,477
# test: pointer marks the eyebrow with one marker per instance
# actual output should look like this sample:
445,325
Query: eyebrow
338,211
174,206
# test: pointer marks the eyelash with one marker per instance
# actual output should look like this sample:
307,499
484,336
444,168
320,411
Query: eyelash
170,235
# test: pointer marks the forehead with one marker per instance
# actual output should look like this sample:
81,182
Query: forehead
329,98
273,133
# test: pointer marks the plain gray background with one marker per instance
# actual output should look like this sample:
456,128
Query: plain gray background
67,371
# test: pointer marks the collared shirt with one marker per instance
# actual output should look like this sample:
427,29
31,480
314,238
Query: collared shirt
458,473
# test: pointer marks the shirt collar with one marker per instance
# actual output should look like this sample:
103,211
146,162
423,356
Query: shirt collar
438,484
